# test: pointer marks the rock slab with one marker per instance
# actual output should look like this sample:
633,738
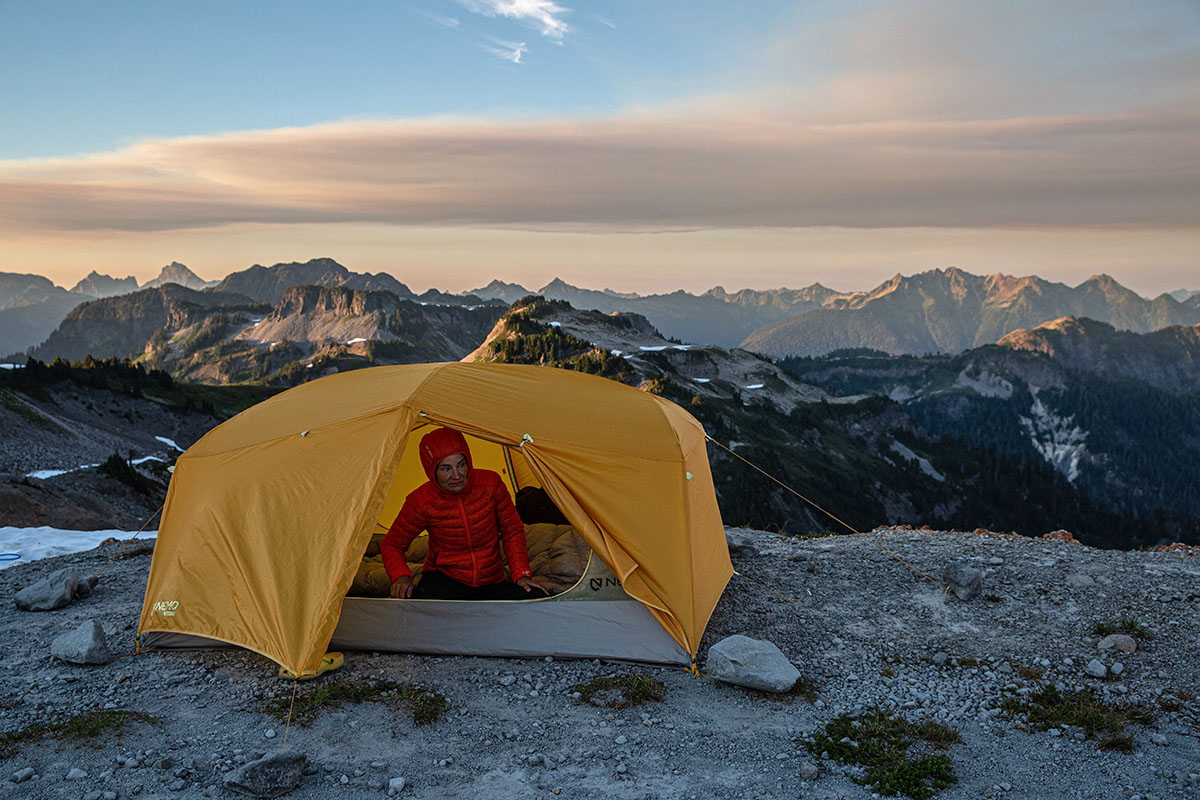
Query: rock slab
84,645
753,663
964,581
270,776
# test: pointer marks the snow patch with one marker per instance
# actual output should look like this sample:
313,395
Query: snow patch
652,349
30,544
356,340
1058,439
169,443
43,474
11,366
901,393
615,352
702,380
555,324
754,386
682,347
902,451
144,459
986,384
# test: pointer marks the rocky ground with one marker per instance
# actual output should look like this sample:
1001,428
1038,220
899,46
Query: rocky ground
864,628
77,426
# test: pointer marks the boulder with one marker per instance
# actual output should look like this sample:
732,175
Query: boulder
271,776
753,663
49,593
1119,641
59,589
1096,669
964,581
740,543
84,645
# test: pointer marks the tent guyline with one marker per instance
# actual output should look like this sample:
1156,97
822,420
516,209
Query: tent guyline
129,541
847,525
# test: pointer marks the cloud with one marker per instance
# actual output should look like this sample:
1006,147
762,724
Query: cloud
545,15
440,19
509,51
931,115
634,173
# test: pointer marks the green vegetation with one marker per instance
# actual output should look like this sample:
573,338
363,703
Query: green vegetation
426,706
881,742
80,729
1129,625
1029,673
1049,708
1144,435
621,691
13,403
528,341
122,470
803,689
122,376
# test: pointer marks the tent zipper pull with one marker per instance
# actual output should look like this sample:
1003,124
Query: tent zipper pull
526,438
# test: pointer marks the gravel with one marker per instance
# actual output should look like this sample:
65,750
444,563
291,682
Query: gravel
866,629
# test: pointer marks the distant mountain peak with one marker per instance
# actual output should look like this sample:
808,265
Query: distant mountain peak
178,274
98,285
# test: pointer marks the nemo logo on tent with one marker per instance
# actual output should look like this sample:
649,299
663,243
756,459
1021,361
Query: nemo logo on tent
167,607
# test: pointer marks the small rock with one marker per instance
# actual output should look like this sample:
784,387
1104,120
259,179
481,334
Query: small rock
270,733
939,658
1080,580
395,786
753,663
1120,642
272,776
808,771
964,581
76,774
1096,669
508,680
1159,739
1117,668
84,645
22,775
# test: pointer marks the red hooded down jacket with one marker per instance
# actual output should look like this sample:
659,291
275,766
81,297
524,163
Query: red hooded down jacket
465,528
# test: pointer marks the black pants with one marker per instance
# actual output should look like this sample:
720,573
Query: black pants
436,586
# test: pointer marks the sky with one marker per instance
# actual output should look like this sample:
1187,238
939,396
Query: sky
631,145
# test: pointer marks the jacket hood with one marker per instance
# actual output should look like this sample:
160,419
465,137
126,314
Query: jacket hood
439,444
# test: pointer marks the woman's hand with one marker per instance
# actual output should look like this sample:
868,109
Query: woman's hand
529,584
402,587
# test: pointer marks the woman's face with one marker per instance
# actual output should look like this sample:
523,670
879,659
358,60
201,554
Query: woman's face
451,472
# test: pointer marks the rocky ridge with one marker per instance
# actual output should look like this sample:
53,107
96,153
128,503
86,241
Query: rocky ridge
863,627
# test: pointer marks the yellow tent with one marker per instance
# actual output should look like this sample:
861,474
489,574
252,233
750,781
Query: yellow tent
268,516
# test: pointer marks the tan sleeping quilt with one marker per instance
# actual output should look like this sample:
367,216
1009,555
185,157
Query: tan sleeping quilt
558,557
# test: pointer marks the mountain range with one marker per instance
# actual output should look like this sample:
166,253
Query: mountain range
933,312
1003,437
949,311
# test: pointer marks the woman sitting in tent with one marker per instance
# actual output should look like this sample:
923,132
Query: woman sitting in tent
468,514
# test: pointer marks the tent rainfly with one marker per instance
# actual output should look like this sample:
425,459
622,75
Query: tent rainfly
269,515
